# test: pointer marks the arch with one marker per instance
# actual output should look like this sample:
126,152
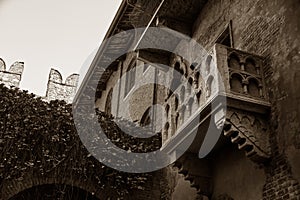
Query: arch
167,108
166,131
189,85
190,103
108,103
234,61
146,118
177,120
207,64
178,71
196,79
198,95
176,103
253,87
250,66
209,84
236,81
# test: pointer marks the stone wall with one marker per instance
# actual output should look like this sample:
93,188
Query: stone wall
56,89
133,105
270,29
11,77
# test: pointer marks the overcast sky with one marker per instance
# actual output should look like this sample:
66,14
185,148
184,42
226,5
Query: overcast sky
46,34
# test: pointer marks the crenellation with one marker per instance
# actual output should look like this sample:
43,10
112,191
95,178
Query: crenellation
72,80
56,89
55,76
11,77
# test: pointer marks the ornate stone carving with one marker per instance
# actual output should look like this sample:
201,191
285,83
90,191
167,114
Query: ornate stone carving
199,177
250,133
245,74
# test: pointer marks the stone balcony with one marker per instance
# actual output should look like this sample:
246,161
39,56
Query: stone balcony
226,87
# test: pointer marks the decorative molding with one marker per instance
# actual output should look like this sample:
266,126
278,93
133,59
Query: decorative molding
250,133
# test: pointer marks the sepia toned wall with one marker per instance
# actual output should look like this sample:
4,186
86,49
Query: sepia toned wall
270,29
13,75
134,104
57,89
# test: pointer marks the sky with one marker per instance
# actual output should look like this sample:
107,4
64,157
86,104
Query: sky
59,34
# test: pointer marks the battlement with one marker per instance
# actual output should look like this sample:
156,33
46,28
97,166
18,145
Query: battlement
11,77
56,88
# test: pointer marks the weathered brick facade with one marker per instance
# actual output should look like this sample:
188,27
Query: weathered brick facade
269,29
258,55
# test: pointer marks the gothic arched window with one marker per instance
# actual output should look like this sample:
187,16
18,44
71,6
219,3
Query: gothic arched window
108,102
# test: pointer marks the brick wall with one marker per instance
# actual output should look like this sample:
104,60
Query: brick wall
270,29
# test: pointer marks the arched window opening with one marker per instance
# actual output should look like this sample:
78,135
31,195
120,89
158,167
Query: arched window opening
209,86
178,72
108,103
166,131
167,109
176,120
234,62
176,103
208,63
250,66
189,85
236,83
196,80
190,103
199,97
253,88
